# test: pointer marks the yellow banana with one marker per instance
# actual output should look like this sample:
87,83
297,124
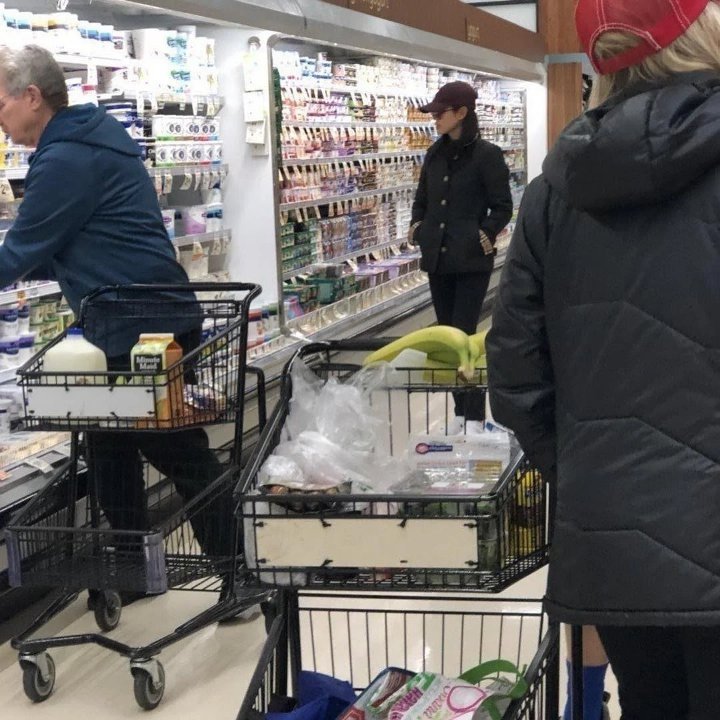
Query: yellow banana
449,342
440,373
477,343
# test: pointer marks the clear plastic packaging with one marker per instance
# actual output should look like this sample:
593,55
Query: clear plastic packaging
334,437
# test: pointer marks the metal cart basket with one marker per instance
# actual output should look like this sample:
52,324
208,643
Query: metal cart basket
143,504
354,637
480,543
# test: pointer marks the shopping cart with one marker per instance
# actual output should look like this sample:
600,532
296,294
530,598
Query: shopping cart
415,543
143,504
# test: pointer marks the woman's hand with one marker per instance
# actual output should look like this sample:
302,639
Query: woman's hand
411,232
486,244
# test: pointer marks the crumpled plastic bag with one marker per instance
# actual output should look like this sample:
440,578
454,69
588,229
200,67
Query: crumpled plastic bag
333,436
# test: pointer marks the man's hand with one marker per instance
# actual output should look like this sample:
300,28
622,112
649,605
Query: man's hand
486,244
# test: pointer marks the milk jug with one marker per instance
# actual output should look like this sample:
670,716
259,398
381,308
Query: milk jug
73,355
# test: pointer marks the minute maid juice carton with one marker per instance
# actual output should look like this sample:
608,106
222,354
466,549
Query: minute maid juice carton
154,354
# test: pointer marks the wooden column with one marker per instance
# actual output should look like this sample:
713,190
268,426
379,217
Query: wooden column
556,23
564,97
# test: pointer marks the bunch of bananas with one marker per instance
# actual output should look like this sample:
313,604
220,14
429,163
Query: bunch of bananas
447,348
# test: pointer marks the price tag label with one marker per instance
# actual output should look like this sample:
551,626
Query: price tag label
187,181
6,192
39,464
167,183
63,450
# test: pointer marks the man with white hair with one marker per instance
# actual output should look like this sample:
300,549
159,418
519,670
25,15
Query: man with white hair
90,218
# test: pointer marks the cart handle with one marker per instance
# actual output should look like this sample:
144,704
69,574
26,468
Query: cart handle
252,290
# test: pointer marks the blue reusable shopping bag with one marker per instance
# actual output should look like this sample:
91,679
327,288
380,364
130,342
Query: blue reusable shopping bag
320,697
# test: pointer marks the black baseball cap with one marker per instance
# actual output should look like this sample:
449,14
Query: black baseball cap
453,95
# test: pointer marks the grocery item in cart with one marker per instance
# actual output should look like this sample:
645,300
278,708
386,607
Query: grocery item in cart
485,455
482,693
75,355
526,515
153,355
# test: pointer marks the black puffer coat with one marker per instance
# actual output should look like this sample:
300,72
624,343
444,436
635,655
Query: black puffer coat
464,188
604,355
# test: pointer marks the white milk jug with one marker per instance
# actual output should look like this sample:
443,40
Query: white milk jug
75,355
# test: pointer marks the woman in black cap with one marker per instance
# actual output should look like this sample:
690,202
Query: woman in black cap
462,203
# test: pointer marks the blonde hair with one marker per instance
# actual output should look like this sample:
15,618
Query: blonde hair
697,49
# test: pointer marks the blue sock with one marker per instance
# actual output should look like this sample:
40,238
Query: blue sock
593,688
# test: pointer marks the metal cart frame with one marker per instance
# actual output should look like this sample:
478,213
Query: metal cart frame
62,539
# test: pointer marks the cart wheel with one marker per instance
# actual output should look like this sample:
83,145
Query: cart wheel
149,693
37,688
107,607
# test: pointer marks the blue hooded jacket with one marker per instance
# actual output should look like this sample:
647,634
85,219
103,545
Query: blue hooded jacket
90,216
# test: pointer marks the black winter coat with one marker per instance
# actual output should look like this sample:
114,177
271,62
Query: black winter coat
464,188
604,355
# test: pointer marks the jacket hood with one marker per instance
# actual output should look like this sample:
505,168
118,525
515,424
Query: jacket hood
640,147
89,125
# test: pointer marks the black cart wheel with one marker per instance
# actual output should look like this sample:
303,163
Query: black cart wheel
37,688
107,608
148,694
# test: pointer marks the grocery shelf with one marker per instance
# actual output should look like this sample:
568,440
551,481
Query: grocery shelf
8,374
276,351
202,237
500,103
175,170
325,86
355,124
284,207
27,475
15,173
34,291
21,172
83,61
301,162
341,258
209,105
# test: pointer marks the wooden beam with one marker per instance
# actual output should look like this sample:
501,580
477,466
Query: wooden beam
556,23
456,20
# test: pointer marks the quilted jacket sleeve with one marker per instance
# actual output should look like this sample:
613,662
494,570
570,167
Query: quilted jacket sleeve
522,390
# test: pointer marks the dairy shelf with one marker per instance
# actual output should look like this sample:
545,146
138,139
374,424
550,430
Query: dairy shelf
35,291
342,258
302,162
285,207
202,237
